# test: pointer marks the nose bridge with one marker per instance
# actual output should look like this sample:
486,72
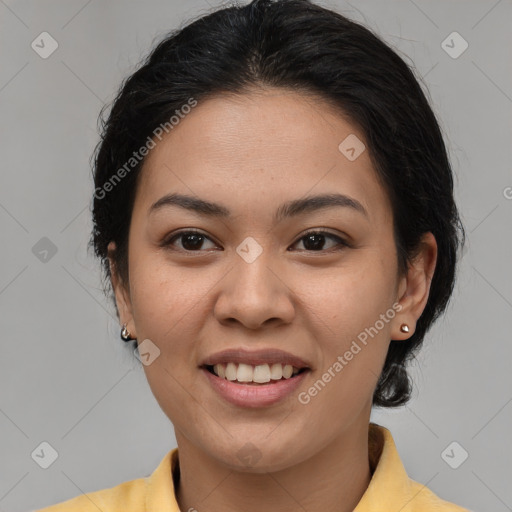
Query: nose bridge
252,292
255,275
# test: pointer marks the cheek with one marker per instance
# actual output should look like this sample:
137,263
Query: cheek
165,307
352,311
348,299
162,294
171,305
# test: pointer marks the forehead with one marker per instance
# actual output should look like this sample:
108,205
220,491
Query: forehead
264,145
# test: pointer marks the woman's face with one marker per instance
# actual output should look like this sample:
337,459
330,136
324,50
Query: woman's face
253,281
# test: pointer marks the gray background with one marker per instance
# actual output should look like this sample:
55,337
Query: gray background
66,377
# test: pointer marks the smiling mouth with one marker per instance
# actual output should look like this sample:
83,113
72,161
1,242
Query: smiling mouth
231,375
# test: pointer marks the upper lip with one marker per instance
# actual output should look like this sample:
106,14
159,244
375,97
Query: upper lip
255,357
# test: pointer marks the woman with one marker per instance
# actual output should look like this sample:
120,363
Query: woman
274,211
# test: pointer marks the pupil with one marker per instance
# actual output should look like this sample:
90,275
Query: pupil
314,246
193,240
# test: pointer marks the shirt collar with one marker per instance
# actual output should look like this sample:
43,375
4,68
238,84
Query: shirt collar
389,488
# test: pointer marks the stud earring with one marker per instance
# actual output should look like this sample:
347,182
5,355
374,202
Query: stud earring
404,328
125,334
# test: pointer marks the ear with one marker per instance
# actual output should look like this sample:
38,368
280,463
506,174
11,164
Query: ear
122,293
414,288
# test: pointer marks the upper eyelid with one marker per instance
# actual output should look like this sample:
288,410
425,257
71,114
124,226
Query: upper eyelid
341,238
321,231
185,231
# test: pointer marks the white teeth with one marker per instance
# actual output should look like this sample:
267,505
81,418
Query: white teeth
287,371
244,373
260,373
276,372
230,371
219,370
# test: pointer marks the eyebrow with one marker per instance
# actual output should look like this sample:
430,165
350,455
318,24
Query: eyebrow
286,210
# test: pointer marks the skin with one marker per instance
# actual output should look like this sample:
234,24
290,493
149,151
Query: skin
251,153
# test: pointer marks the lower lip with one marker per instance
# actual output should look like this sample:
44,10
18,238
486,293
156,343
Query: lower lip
261,395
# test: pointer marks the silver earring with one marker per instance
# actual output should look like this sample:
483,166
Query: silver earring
125,334
404,328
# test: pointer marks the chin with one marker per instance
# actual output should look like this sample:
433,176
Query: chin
250,459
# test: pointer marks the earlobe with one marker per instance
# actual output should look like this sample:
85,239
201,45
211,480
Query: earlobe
121,293
415,287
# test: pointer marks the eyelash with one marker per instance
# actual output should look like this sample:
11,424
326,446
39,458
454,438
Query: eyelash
167,243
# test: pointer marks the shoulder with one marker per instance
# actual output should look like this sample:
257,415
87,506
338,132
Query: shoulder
152,492
390,483
126,497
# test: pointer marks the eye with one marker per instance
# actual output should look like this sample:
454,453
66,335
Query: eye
191,240
314,240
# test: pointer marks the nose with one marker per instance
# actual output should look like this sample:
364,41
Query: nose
255,295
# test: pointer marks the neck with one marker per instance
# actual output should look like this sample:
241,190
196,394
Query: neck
332,480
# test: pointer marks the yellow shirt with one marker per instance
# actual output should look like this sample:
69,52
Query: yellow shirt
390,489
